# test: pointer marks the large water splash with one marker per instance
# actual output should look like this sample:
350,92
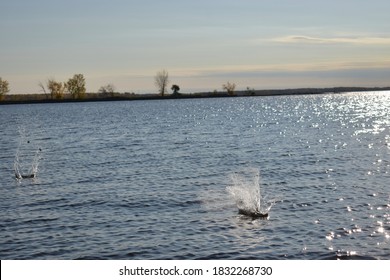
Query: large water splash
245,189
27,158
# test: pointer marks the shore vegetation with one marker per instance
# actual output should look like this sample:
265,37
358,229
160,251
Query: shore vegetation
161,81
4,88
74,90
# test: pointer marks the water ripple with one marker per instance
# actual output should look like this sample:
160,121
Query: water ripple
148,179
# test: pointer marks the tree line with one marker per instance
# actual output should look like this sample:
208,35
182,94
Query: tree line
161,80
4,88
75,87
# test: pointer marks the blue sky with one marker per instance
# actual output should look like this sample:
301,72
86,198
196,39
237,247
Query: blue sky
202,44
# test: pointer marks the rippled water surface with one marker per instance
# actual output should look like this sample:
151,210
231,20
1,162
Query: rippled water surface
149,179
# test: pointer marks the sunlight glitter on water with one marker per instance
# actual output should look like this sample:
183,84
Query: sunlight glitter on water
119,178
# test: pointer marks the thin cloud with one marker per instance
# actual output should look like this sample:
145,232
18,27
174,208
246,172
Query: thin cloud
242,70
297,39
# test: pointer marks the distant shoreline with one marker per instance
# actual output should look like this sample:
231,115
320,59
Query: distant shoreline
94,97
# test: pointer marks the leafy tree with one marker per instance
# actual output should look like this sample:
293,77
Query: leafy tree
4,88
175,89
76,86
108,89
229,87
161,81
56,89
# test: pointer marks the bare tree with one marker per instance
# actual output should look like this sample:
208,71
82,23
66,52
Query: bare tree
4,88
40,84
56,89
107,90
250,91
229,87
161,81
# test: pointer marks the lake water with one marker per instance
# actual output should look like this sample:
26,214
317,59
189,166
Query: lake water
153,179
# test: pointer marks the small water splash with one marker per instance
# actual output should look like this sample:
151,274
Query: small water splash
27,158
246,192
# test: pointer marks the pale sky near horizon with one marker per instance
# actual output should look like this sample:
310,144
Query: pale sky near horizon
202,44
